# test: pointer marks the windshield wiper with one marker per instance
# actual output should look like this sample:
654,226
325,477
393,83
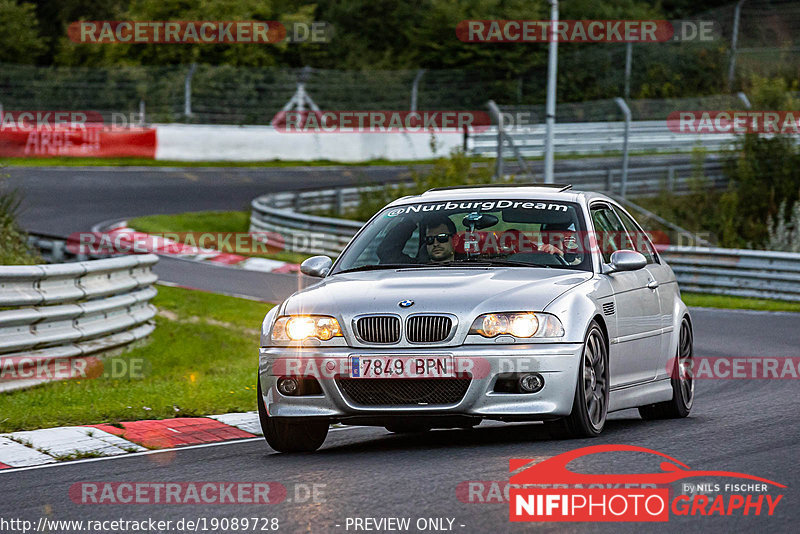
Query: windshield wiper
379,266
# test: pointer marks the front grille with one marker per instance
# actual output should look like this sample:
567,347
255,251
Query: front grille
428,328
403,391
379,329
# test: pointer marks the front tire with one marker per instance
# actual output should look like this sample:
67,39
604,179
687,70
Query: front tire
682,382
590,404
285,435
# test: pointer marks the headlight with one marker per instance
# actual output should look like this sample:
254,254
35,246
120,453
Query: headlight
298,327
517,324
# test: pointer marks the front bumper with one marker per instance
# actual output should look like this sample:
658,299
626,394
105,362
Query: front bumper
558,363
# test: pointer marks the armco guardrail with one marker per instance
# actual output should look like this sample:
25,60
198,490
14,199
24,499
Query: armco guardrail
738,272
597,138
55,249
282,213
71,310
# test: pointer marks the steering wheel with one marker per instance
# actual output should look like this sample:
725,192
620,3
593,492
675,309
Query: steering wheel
560,260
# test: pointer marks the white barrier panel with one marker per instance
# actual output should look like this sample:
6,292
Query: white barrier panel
195,142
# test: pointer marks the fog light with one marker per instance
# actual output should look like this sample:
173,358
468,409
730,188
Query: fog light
287,386
530,383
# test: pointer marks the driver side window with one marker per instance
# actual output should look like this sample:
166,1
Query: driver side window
641,242
609,231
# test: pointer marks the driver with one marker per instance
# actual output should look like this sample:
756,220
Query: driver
438,242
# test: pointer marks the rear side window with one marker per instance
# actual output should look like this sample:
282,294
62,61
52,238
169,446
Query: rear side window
641,243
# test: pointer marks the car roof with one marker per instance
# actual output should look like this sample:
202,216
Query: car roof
503,191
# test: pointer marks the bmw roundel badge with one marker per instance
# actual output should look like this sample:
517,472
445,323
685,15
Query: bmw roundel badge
406,303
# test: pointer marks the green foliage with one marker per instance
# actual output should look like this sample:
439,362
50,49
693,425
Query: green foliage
244,54
785,235
446,172
14,248
20,41
764,173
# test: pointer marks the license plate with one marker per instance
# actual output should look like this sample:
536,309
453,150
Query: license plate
401,367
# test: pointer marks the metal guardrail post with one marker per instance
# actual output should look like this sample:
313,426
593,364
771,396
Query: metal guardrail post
627,112
142,120
670,178
415,89
734,37
187,91
609,180
339,202
550,104
746,101
494,110
628,64
502,135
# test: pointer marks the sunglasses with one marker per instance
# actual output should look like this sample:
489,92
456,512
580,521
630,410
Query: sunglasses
441,238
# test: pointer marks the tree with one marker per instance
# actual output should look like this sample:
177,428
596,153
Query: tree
765,171
20,41
239,54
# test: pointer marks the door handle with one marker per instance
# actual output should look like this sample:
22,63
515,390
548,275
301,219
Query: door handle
652,284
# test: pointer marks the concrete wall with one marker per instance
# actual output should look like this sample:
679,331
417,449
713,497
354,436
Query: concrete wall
195,142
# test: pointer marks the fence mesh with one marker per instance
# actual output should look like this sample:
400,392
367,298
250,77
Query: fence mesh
589,73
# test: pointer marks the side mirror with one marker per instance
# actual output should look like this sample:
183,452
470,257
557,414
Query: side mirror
626,260
317,266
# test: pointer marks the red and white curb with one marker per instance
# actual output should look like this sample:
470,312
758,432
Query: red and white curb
50,445
126,236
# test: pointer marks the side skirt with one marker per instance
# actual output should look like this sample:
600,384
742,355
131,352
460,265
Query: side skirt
640,395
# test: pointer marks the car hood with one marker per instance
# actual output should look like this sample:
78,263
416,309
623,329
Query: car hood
464,292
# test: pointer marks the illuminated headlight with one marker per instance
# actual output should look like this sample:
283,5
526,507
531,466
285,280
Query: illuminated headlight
299,327
518,324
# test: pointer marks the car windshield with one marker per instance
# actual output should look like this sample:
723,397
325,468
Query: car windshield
509,233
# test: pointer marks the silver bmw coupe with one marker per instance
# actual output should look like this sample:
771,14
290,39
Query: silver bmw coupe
510,303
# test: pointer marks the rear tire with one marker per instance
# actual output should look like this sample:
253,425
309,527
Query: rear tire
590,404
682,382
285,435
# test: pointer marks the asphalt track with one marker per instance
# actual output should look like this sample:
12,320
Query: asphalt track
748,426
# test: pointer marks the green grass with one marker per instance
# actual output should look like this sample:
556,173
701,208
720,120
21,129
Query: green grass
196,221
212,222
705,300
198,367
